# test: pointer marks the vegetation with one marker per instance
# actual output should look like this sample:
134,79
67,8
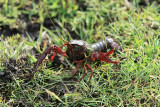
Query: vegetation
135,81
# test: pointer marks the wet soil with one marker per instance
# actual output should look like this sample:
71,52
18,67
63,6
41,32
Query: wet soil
21,69
16,68
32,28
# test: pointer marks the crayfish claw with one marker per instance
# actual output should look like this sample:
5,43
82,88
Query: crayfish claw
110,52
39,61
109,60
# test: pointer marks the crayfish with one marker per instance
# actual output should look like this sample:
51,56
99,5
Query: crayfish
80,51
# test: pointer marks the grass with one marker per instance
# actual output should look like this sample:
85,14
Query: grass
135,81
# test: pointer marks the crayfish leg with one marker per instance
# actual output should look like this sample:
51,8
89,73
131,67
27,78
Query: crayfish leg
90,70
77,66
81,61
54,54
85,73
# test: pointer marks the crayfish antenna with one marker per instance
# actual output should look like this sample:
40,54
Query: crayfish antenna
66,43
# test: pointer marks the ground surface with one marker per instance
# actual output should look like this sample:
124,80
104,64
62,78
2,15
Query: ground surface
27,28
